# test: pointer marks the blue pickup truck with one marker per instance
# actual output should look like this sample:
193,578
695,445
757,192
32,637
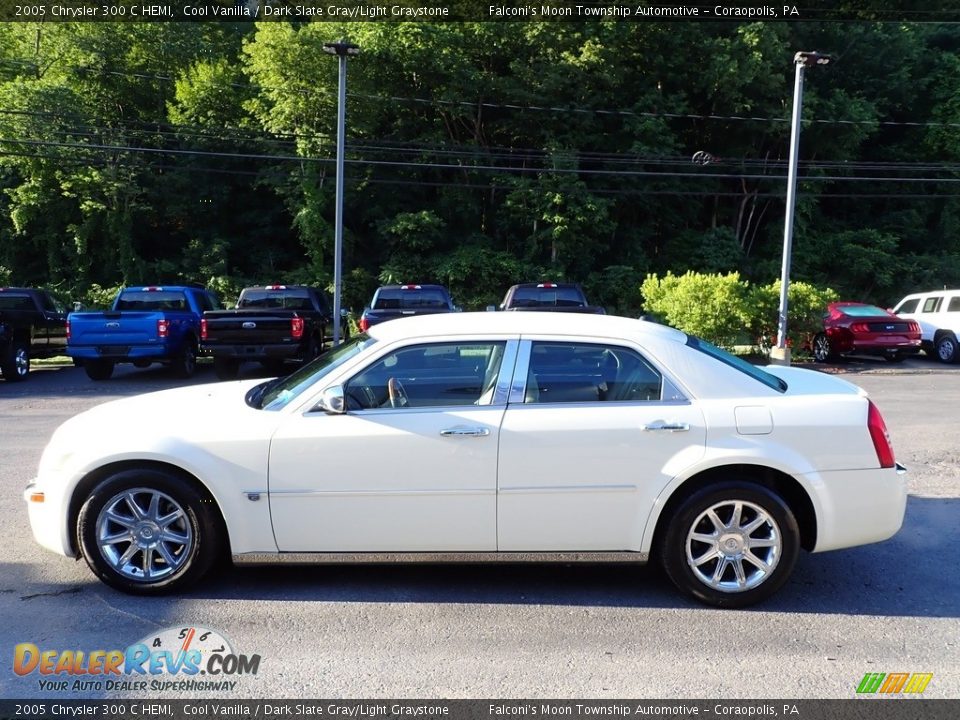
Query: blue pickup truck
145,325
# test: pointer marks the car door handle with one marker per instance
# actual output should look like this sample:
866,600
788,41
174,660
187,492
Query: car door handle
465,432
660,425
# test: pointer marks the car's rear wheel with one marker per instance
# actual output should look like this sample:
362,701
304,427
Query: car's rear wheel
16,364
185,364
731,545
147,531
98,369
821,348
946,347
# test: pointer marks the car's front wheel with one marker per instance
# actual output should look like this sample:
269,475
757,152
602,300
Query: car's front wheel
147,531
731,545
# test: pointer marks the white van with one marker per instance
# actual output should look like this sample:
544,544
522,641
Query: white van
938,314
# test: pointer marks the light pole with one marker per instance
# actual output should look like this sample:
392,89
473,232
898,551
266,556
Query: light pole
802,60
342,50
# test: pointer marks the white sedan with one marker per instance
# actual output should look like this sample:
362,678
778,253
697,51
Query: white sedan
480,437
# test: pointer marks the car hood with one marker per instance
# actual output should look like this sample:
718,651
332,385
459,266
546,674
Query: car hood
164,420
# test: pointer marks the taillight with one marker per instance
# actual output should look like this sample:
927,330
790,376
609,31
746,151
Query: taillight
296,327
860,328
203,328
364,324
163,328
880,436
68,329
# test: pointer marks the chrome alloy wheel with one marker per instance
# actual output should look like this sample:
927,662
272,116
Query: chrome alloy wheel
733,546
21,362
144,534
821,348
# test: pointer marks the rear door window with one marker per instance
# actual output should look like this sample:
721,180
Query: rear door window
587,372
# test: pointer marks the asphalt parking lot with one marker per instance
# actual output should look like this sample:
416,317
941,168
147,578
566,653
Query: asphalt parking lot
508,631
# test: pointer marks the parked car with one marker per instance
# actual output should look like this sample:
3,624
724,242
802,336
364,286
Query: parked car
33,325
861,329
271,324
938,314
549,297
480,437
145,325
396,301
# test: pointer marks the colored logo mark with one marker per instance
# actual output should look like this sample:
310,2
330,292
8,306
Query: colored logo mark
894,683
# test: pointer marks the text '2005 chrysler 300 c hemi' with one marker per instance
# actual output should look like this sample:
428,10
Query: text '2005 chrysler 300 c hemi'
481,436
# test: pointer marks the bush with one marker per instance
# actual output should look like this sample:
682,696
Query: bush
728,311
805,306
710,306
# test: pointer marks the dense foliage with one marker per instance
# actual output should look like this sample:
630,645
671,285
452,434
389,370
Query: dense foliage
730,311
478,155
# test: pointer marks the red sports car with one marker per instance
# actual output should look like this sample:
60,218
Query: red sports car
857,328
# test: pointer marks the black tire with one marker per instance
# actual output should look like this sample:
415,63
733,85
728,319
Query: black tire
193,541
945,348
15,364
98,369
226,368
274,367
679,550
314,347
821,348
184,365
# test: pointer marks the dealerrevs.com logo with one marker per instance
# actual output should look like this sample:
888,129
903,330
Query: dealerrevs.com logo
175,659
894,683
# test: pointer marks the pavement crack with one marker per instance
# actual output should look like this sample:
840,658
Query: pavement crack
126,612
54,593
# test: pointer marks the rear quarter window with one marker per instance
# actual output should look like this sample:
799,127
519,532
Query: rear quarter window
758,374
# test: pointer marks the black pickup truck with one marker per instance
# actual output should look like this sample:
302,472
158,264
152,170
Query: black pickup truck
549,296
33,324
271,324
396,301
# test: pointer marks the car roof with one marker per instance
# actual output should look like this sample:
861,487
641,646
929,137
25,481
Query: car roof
514,323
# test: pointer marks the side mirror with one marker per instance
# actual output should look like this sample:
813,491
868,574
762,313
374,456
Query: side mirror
491,308
332,402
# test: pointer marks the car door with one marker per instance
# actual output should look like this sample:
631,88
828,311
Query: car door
593,432
411,465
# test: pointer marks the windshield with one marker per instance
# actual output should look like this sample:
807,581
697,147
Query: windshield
406,299
768,379
277,394
862,310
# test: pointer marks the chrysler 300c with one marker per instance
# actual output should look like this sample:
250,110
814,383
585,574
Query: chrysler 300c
480,437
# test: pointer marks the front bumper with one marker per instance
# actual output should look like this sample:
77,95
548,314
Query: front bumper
48,519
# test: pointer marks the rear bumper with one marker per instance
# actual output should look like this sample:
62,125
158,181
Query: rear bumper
254,352
122,353
859,507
